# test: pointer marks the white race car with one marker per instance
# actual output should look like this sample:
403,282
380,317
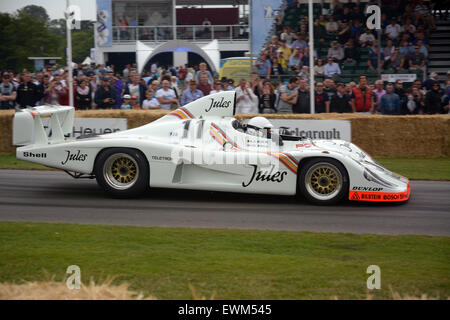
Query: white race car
202,146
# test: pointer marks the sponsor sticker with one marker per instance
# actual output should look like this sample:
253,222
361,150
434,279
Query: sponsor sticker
379,196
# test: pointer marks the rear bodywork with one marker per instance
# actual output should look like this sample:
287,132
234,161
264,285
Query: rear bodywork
201,146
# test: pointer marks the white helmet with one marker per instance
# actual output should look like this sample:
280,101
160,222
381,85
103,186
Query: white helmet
256,126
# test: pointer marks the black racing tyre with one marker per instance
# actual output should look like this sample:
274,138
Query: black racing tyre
122,172
323,181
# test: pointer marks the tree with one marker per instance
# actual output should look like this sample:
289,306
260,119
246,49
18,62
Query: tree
82,42
35,11
24,36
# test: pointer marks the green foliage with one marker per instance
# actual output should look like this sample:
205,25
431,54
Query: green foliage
36,11
30,33
24,36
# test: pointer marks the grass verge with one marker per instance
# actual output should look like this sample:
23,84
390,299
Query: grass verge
412,168
419,168
227,264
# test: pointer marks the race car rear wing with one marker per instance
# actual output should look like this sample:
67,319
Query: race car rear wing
29,128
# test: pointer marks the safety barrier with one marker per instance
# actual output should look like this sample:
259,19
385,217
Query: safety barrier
399,136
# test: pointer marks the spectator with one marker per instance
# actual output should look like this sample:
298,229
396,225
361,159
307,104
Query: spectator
322,102
405,50
105,96
422,48
415,102
83,96
54,94
230,85
329,87
304,73
356,30
356,15
302,101
299,42
397,60
345,31
294,60
126,104
218,87
400,91
417,60
379,92
408,26
151,102
288,35
204,85
264,67
340,102
204,69
336,52
373,59
134,102
305,59
390,102
167,97
362,97
351,53
331,26
136,88
288,94
8,93
191,94
285,50
319,68
433,102
331,69
428,84
393,30
189,75
27,92
277,70
267,99
246,100
388,51
366,38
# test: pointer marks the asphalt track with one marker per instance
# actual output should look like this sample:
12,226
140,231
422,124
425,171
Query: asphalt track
53,196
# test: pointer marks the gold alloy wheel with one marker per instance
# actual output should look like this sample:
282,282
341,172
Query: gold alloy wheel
121,171
323,181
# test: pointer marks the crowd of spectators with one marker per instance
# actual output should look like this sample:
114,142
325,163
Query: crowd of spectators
281,83
342,38
103,87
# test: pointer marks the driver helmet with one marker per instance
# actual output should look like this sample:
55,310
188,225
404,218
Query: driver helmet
259,126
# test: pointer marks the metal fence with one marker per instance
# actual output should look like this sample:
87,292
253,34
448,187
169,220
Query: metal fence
192,32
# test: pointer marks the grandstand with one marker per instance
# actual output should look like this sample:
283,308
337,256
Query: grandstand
295,14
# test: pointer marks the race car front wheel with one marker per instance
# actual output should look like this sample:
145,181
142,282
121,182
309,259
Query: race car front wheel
122,172
323,181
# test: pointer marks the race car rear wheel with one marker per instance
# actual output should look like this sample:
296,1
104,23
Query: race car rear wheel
122,172
323,181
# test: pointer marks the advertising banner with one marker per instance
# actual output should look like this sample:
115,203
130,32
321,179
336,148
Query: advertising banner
103,26
87,126
317,129
263,13
405,77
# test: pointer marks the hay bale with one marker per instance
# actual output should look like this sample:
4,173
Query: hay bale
6,127
52,290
